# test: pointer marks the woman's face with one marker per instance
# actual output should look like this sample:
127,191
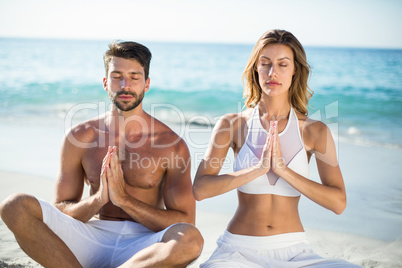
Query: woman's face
275,68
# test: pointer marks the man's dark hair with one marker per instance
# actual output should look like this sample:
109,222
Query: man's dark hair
128,50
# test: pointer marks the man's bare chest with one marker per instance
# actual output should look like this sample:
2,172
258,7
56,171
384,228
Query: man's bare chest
142,167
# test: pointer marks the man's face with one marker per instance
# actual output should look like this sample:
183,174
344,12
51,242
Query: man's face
125,83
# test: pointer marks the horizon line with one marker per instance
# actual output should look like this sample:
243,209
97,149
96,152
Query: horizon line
199,42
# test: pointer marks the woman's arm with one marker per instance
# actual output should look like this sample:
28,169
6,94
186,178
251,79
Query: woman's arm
207,182
331,193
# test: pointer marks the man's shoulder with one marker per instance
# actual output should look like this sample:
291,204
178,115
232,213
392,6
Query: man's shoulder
164,136
86,131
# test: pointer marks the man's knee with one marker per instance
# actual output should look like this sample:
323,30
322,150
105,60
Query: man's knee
16,207
188,238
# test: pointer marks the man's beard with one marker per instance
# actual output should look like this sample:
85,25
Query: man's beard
124,107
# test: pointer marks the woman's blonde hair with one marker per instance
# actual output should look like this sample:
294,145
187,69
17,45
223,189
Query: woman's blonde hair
299,92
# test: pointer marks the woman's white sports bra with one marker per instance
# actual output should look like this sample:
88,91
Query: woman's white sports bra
293,153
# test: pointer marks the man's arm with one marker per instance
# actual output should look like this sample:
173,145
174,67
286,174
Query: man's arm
177,193
70,182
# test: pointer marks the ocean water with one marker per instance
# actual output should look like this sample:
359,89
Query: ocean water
46,86
357,91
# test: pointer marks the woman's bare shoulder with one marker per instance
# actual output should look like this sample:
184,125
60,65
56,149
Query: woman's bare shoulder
314,132
233,126
234,120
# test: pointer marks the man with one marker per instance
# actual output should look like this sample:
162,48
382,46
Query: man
141,210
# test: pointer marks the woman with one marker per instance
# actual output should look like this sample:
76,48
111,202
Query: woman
273,142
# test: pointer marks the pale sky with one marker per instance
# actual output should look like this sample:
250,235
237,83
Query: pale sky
347,23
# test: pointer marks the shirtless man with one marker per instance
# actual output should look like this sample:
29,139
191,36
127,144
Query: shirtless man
141,210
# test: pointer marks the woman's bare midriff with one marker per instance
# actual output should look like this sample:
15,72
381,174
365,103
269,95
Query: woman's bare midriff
265,215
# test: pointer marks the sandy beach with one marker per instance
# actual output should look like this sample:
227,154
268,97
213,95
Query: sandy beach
356,249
